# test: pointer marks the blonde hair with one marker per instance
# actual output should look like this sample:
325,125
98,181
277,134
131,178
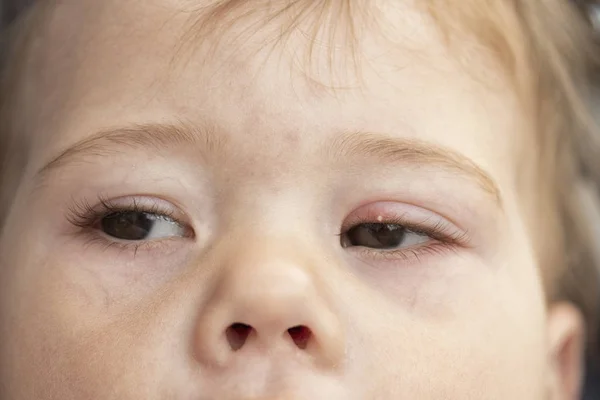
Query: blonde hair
545,46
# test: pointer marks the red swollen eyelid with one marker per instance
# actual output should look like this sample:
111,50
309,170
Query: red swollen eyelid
415,219
377,212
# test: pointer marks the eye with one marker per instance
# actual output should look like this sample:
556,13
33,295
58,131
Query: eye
139,225
129,220
383,236
395,232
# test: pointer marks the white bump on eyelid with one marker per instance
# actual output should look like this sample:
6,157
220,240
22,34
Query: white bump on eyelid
163,228
380,218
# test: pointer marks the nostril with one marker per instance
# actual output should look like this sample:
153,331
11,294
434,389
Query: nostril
237,334
300,335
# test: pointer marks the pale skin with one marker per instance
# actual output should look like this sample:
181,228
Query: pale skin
253,280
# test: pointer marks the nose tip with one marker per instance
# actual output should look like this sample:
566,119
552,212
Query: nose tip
274,310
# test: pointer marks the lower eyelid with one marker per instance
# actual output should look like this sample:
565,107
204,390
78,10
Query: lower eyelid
102,242
405,255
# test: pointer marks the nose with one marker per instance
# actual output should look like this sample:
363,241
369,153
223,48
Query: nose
269,303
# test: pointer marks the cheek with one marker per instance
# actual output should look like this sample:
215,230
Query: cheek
491,336
60,346
46,351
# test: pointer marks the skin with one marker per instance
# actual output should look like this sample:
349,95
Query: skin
261,192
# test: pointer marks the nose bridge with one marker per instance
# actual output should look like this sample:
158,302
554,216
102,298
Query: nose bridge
268,301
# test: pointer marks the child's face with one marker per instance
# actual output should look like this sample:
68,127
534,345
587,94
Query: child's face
226,226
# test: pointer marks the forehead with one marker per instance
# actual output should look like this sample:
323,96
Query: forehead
295,71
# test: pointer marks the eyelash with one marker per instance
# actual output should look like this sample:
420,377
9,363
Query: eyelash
446,238
85,217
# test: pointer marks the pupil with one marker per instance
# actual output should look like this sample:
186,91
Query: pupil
128,225
378,236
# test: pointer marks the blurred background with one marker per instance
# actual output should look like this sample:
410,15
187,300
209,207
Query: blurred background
9,9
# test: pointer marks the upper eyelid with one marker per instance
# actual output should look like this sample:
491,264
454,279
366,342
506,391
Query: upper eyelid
441,231
390,210
434,225
82,212
136,205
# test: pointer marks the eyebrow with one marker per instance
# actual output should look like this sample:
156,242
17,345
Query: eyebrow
387,149
155,137
378,147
